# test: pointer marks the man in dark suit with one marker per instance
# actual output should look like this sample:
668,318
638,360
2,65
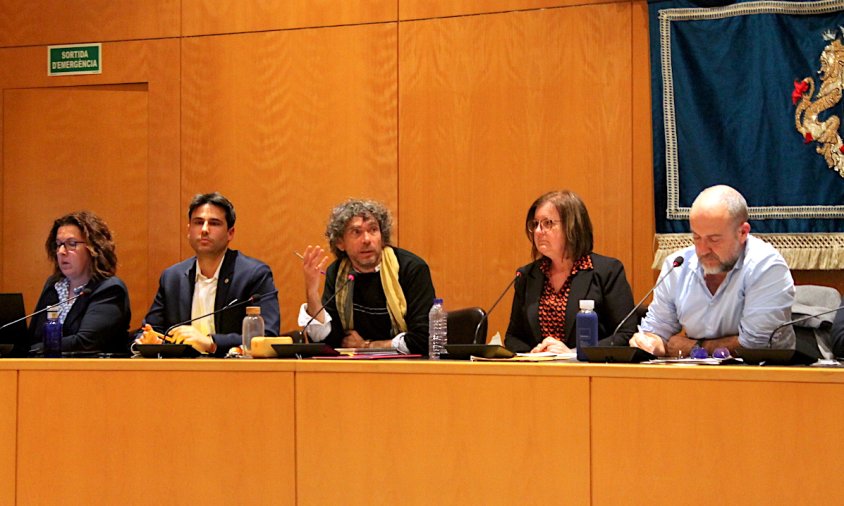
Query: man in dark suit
216,277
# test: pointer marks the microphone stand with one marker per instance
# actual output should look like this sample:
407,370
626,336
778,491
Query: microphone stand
769,355
494,304
626,354
231,305
799,320
86,291
349,279
677,263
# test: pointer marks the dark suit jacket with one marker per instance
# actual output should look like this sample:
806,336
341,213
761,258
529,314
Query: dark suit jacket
96,322
240,278
606,284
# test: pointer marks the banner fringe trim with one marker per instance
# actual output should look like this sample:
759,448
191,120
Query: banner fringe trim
823,252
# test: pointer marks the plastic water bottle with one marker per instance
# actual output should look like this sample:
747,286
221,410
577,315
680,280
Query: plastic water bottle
53,335
253,326
586,326
437,330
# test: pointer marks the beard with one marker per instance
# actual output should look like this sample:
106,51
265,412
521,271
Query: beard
720,267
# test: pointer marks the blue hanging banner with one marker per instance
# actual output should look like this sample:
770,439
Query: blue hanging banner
749,95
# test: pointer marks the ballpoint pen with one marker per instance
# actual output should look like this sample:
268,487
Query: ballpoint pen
301,257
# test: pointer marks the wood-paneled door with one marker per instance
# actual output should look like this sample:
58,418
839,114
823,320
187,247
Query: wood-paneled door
108,143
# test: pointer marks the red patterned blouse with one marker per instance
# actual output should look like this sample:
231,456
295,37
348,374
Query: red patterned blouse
552,304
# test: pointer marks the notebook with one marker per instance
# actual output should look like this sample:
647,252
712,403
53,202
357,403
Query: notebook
14,339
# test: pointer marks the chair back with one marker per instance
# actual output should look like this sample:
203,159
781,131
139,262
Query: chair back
462,324
815,333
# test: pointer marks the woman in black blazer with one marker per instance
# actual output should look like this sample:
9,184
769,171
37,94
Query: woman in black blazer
565,270
81,249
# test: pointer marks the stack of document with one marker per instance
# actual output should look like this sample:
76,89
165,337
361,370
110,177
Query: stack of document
531,357
368,354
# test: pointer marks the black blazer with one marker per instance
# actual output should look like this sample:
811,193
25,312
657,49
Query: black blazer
96,322
606,284
240,278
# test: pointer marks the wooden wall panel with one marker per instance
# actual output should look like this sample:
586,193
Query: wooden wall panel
419,9
107,142
287,124
203,17
154,433
708,440
442,439
8,434
24,23
56,158
834,279
2,199
639,272
494,111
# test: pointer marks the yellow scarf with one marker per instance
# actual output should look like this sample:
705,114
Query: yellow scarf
396,303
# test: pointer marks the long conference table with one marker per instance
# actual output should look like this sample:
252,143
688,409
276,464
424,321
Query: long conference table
313,432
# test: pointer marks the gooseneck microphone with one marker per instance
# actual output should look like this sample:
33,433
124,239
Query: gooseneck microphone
486,315
231,305
798,320
258,296
802,354
678,261
84,292
349,279
618,351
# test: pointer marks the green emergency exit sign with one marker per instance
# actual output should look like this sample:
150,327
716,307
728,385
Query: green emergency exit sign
74,59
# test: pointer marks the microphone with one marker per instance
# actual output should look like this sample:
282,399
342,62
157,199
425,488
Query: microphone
626,354
486,315
802,354
798,320
678,261
84,292
258,296
349,279
231,305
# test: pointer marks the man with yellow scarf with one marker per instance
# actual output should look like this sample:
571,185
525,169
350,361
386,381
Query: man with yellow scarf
376,295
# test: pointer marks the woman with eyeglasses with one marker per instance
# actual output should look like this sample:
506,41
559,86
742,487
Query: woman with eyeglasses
81,250
565,270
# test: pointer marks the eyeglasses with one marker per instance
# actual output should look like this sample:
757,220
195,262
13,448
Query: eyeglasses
69,245
545,224
701,353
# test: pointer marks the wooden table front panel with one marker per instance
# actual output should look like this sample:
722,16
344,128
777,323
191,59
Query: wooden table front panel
8,428
155,437
371,438
655,441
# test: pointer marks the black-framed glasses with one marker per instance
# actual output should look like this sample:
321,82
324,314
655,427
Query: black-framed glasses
69,245
545,224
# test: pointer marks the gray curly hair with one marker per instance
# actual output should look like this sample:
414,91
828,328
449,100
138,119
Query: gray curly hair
366,209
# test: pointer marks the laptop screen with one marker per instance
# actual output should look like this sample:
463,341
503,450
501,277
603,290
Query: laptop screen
11,309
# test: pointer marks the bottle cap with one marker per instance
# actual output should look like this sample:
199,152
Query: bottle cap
587,304
438,301
53,314
253,310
